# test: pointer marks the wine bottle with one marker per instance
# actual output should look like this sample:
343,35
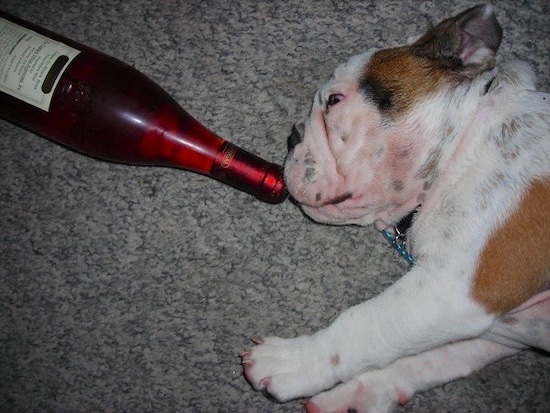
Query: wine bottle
99,106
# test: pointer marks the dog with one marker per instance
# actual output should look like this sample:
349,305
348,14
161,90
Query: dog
432,126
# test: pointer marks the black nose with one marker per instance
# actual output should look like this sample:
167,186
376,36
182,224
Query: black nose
296,135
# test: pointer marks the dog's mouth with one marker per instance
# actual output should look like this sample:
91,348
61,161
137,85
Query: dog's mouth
338,200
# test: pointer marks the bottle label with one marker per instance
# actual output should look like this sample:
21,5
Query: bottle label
228,154
31,64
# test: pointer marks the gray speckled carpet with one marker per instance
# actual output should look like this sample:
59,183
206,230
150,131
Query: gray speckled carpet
135,288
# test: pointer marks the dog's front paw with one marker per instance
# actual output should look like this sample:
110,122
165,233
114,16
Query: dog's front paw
371,392
288,368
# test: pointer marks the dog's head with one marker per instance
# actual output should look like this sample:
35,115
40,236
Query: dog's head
380,129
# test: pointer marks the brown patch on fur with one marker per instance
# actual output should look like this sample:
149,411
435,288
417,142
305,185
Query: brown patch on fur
515,263
406,78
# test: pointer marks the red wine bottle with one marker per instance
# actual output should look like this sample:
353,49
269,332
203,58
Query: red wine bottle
102,107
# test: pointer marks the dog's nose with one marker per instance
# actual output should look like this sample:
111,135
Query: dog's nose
296,135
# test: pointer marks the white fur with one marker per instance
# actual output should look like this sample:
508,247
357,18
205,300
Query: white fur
380,391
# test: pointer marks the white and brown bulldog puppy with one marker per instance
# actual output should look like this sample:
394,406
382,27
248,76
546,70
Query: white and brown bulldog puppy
432,123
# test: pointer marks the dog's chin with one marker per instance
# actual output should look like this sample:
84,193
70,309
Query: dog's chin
343,214
335,215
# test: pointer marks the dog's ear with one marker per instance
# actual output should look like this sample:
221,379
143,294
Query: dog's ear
466,43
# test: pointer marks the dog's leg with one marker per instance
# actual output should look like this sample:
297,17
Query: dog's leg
528,324
419,312
382,390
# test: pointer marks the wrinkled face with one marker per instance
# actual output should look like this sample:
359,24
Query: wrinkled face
361,157
386,124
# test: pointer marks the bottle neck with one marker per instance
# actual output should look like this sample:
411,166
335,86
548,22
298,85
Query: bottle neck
249,173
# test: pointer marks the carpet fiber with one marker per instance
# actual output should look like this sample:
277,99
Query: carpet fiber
135,288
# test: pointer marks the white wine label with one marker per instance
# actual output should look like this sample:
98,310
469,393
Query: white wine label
31,64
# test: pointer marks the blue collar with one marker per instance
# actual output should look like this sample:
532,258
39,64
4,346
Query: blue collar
398,237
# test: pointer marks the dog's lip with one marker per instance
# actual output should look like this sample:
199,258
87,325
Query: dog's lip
338,200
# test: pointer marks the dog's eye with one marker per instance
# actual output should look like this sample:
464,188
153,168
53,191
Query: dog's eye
333,100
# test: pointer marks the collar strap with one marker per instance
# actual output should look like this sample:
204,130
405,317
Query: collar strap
397,237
